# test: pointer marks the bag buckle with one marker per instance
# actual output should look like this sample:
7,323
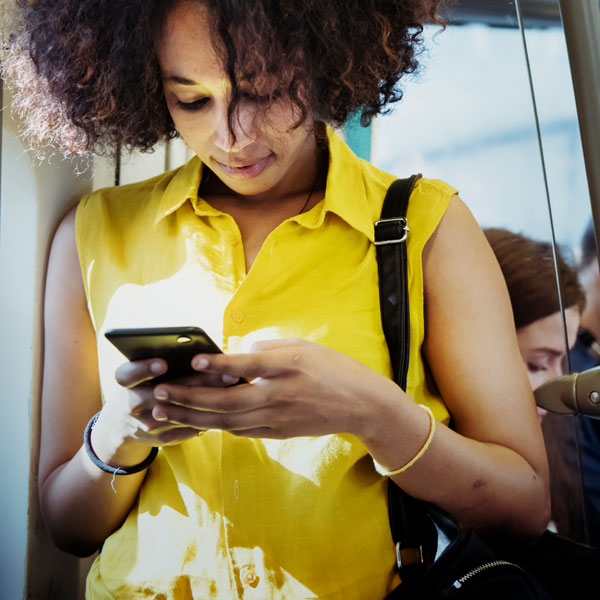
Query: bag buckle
402,221
409,557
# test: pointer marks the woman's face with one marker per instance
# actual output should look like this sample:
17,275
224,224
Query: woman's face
268,153
542,345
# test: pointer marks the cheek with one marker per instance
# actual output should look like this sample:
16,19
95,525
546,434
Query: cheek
193,133
536,379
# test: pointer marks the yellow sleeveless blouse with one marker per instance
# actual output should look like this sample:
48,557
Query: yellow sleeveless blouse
226,517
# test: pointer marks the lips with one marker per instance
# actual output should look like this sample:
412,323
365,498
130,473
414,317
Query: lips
247,169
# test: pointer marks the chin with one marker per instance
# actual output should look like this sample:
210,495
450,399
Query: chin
246,185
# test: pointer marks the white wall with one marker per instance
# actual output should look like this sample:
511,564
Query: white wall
34,196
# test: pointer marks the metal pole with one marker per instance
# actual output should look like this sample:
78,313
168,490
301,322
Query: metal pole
2,109
581,23
545,175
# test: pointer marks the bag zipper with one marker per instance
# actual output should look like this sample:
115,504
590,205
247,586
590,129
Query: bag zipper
484,567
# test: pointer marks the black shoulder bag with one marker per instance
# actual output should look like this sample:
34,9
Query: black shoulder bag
436,556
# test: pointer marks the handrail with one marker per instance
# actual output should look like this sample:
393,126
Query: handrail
581,23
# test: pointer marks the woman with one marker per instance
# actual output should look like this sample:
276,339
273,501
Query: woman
530,273
529,270
265,239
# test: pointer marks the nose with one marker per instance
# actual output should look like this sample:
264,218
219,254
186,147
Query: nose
554,370
242,124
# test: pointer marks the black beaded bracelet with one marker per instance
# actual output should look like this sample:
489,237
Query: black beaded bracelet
87,443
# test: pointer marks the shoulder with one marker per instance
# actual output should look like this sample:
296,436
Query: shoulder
177,181
63,243
359,179
123,195
63,264
111,211
433,191
459,236
428,203
430,197
117,207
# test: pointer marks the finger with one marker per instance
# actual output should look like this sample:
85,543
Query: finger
152,430
239,421
135,372
232,399
141,400
205,379
247,366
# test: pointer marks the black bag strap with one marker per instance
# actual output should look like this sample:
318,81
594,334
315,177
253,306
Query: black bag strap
391,231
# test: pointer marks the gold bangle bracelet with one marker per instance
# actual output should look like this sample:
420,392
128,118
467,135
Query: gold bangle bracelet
383,471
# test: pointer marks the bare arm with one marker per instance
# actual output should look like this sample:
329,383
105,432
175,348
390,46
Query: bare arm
78,503
491,470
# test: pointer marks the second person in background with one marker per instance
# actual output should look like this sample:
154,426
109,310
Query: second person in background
529,269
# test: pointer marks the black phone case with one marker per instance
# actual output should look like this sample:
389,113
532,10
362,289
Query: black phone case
176,345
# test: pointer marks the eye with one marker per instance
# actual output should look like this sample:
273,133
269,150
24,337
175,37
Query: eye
533,368
192,106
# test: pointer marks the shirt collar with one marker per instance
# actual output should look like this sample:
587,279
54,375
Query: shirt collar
345,193
176,187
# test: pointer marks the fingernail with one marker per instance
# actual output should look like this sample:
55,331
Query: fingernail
200,363
160,394
157,367
229,379
159,414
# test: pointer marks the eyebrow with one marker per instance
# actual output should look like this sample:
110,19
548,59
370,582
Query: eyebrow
180,80
550,351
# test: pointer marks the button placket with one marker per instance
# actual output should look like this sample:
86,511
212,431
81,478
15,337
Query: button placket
232,238
248,281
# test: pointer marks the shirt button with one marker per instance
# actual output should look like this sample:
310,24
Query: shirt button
249,577
232,239
237,316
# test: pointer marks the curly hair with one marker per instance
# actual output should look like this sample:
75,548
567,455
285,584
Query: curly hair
528,268
87,79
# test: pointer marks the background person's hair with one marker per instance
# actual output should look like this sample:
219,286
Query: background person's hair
528,268
87,77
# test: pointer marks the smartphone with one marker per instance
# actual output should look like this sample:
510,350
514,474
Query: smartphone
176,345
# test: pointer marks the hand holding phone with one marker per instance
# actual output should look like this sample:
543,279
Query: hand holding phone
176,345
